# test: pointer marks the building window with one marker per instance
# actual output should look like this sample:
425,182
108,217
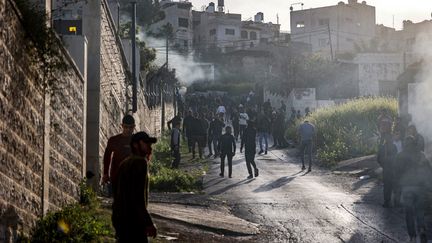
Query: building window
229,31
244,34
182,22
253,35
323,42
212,32
300,24
324,22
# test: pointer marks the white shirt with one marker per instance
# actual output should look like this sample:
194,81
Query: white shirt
221,109
398,145
243,118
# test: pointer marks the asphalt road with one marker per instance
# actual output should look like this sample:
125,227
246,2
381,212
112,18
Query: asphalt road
291,205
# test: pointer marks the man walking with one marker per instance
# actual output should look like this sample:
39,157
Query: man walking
117,149
130,218
215,131
187,129
306,132
386,155
227,148
249,143
175,145
263,129
243,120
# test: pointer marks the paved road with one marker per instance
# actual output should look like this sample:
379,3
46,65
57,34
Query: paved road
292,206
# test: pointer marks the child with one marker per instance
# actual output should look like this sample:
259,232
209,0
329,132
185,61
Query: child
227,148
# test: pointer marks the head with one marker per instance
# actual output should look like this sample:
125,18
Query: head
128,125
410,144
141,144
412,130
397,135
228,130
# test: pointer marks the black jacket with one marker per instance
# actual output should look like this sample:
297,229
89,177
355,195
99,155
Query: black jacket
227,144
248,140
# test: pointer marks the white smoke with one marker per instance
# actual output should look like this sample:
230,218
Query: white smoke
188,71
420,93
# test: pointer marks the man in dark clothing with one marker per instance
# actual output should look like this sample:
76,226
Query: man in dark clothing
210,118
419,139
130,217
175,120
175,145
248,141
386,157
267,106
235,123
227,148
306,133
414,175
187,129
263,129
199,128
215,131
117,149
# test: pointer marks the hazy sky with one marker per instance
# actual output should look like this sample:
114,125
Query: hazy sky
415,10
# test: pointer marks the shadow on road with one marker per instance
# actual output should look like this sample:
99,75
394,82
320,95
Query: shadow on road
222,190
275,184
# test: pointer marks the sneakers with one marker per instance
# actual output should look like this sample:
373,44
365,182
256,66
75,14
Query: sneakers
249,177
256,172
260,152
303,167
265,152
310,169
221,175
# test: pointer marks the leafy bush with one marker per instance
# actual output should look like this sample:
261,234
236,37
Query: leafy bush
74,223
347,130
165,179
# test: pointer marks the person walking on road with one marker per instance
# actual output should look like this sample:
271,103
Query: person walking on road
175,145
131,220
243,120
306,132
414,175
117,149
263,129
386,155
227,148
187,129
248,142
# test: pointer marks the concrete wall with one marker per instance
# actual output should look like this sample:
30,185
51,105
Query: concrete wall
42,136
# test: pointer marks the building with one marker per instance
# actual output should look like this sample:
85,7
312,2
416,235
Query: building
334,29
179,15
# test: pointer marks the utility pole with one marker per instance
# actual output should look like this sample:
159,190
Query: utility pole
163,86
330,41
134,71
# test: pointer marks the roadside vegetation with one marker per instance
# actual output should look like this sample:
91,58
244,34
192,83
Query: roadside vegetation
348,130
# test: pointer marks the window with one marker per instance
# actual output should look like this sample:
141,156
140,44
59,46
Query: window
182,22
229,31
324,22
300,24
212,32
253,35
244,34
322,42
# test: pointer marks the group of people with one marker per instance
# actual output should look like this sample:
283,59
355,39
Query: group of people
407,174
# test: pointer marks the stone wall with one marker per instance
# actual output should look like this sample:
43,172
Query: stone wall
41,136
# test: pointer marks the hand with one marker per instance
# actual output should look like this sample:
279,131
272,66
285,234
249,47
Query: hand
151,231
105,179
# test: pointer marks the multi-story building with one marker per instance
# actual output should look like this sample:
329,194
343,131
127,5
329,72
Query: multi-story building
334,29
179,15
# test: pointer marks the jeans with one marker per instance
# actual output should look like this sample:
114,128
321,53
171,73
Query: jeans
306,147
222,165
261,136
250,160
414,201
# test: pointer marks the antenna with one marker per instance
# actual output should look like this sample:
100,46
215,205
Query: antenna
277,17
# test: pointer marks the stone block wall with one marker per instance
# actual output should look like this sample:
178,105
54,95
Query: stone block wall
36,174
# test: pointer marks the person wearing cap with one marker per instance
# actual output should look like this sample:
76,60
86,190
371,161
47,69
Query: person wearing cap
117,149
131,220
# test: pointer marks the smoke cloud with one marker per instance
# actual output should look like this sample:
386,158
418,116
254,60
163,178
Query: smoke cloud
188,71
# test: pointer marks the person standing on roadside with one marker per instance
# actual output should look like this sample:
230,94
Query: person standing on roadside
414,175
215,129
306,133
131,220
117,149
263,129
175,145
387,152
176,119
227,148
187,129
243,120
419,139
248,142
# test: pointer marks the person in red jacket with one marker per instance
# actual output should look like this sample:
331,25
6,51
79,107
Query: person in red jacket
117,149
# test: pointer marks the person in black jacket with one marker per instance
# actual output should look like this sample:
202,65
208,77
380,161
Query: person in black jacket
227,148
215,131
386,156
187,129
249,143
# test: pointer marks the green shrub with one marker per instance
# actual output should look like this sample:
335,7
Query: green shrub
348,130
74,223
